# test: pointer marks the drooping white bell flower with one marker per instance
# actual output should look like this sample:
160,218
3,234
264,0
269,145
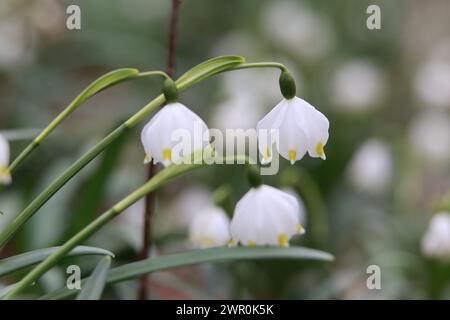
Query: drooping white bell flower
436,241
300,127
265,216
210,228
5,177
173,126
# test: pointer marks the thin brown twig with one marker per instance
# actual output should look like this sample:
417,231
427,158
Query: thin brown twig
149,200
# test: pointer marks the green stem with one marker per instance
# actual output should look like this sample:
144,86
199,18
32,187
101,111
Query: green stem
260,65
198,73
107,80
157,181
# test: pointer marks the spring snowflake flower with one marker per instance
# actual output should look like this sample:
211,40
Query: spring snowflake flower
265,216
210,228
300,127
174,125
5,177
436,241
293,125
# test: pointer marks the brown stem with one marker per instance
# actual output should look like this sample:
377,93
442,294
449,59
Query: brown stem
149,200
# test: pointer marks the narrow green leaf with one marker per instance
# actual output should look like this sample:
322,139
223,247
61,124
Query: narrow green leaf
106,81
137,269
93,287
207,69
27,259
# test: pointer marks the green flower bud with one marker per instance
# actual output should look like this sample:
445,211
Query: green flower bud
170,91
287,85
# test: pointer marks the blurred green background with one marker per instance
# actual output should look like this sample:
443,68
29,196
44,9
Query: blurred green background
386,93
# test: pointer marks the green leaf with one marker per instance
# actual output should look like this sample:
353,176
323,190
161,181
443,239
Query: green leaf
93,287
207,69
137,269
106,81
27,259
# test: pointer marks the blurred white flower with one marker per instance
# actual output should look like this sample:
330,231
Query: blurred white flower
158,135
371,168
301,128
15,45
432,83
231,43
210,228
187,203
436,241
357,85
5,177
297,28
265,216
239,112
255,84
430,135
48,16
432,79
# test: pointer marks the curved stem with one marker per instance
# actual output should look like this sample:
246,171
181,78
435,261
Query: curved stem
157,181
146,74
105,81
260,65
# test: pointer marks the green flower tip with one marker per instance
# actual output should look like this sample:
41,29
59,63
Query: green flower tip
170,91
287,85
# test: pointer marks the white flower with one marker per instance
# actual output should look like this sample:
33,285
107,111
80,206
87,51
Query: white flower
358,85
5,177
210,228
298,28
300,128
265,216
436,241
430,136
173,126
371,168
432,79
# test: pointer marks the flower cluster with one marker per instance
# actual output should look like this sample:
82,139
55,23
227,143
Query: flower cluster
294,126
265,215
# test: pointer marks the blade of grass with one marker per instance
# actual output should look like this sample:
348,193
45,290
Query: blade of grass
136,269
92,289
14,263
